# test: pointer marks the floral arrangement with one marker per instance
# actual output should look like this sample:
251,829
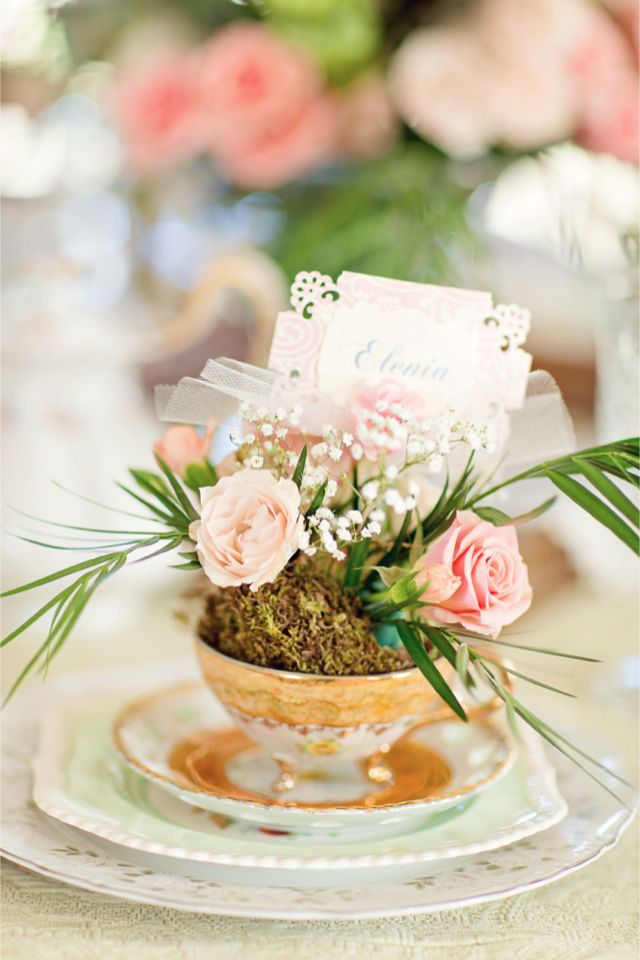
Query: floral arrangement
272,97
354,551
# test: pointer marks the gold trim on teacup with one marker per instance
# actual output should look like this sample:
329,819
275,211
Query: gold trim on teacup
506,753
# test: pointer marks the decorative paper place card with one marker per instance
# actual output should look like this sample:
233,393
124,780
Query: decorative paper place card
451,345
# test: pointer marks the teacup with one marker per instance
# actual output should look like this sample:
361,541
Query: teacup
313,724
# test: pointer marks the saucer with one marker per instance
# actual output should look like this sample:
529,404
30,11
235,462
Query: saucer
80,781
180,739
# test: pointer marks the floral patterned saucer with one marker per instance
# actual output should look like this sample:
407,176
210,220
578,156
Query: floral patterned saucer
30,838
180,739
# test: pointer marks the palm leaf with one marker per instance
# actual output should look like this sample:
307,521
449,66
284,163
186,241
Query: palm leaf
415,649
593,505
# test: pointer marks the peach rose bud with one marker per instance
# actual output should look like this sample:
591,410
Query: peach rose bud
439,580
182,445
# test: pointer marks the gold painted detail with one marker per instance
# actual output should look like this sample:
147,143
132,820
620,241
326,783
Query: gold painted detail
412,771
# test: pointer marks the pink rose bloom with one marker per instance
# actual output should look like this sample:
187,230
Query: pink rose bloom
157,111
387,398
494,584
262,107
248,528
295,148
438,580
182,445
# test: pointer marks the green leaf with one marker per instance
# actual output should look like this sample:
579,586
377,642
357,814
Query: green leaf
355,564
415,649
193,565
593,505
178,490
300,465
613,494
167,518
39,613
397,548
416,547
497,517
318,498
51,577
155,485
391,575
198,475
462,662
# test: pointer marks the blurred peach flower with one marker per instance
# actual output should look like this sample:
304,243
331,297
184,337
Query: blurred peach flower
182,445
157,110
521,74
440,84
262,105
368,124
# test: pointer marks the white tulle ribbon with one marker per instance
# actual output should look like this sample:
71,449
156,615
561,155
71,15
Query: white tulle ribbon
539,430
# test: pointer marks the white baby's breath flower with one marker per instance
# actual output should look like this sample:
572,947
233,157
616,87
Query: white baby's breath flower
332,489
255,462
281,433
335,453
266,430
280,415
370,490
379,516
365,533
343,533
391,472
357,451
347,439
373,527
435,463
354,516
319,450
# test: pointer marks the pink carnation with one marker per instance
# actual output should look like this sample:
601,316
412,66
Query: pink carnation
157,111
493,586
393,401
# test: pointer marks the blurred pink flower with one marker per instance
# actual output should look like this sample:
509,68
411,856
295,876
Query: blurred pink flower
263,112
181,445
603,66
293,149
368,124
156,109
438,580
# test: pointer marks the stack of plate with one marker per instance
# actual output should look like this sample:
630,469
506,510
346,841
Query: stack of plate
157,800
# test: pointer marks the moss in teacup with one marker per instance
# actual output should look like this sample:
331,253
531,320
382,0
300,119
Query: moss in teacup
304,621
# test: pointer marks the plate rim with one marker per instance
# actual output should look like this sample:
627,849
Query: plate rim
49,797
415,806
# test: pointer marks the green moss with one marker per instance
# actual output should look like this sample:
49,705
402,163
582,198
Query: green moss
303,621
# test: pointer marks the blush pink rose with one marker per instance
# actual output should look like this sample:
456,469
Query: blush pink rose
248,528
387,398
306,141
182,445
494,584
156,108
